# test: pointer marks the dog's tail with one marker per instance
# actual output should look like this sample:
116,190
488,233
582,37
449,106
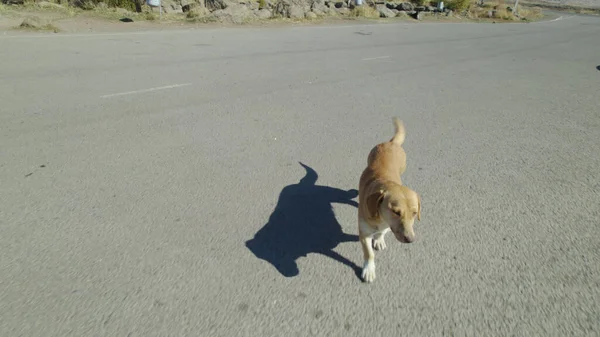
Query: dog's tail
400,133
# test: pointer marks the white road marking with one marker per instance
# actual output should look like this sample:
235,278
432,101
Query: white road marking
560,18
146,90
376,58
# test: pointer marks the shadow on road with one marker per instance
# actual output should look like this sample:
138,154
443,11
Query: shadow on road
303,222
598,68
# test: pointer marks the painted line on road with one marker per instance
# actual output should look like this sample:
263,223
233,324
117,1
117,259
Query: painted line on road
376,58
560,18
147,90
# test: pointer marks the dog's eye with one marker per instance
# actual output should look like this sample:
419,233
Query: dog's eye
414,213
398,213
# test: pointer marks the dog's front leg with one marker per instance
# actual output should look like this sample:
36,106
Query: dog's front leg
368,272
379,240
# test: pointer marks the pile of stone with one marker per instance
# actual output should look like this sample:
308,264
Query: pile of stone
240,11
405,9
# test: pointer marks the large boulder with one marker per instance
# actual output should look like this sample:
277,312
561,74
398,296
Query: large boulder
47,4
402,14
406,6
198,12
170,6
343,11
318,7
263,14
214,4
33,22
234,13
311,15
296,12
385,12
293,9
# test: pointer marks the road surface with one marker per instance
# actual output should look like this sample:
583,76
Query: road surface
200,182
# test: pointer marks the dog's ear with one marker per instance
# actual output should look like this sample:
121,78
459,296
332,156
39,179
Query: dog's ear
418,207
373,202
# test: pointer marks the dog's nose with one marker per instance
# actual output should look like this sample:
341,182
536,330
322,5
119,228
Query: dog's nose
409,238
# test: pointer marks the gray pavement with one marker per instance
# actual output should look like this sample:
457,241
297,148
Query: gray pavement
151,185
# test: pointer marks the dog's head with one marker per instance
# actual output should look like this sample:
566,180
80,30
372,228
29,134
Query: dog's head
398,206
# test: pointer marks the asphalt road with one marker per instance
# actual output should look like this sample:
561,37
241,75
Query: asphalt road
151,183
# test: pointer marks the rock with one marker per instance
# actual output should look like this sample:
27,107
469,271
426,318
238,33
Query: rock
419,16
385,12
46,4
343,11
395,11
263,14
189,6
234,13
176,9
320,12
402,14
294,9
430,9
169,7
319,8
213,5
420,8
296,12
449,13
34,22
311,15
101,5
406,6
390,5
198,12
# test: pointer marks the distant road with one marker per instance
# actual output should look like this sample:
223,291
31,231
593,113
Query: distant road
151,185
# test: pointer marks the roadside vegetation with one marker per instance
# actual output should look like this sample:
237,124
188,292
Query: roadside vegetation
240,12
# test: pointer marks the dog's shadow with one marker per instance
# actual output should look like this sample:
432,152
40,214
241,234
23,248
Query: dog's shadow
303,222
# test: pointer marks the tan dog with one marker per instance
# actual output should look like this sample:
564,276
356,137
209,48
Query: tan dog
384,204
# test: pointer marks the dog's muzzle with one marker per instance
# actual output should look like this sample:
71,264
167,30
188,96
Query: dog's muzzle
404,238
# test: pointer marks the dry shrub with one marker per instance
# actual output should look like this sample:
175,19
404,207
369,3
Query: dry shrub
365,12
502,13
459,5
499,11
530,13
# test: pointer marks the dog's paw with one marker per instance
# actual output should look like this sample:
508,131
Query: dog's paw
368,272
379,243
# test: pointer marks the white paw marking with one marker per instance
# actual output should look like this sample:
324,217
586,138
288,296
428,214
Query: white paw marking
379,243
368,272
